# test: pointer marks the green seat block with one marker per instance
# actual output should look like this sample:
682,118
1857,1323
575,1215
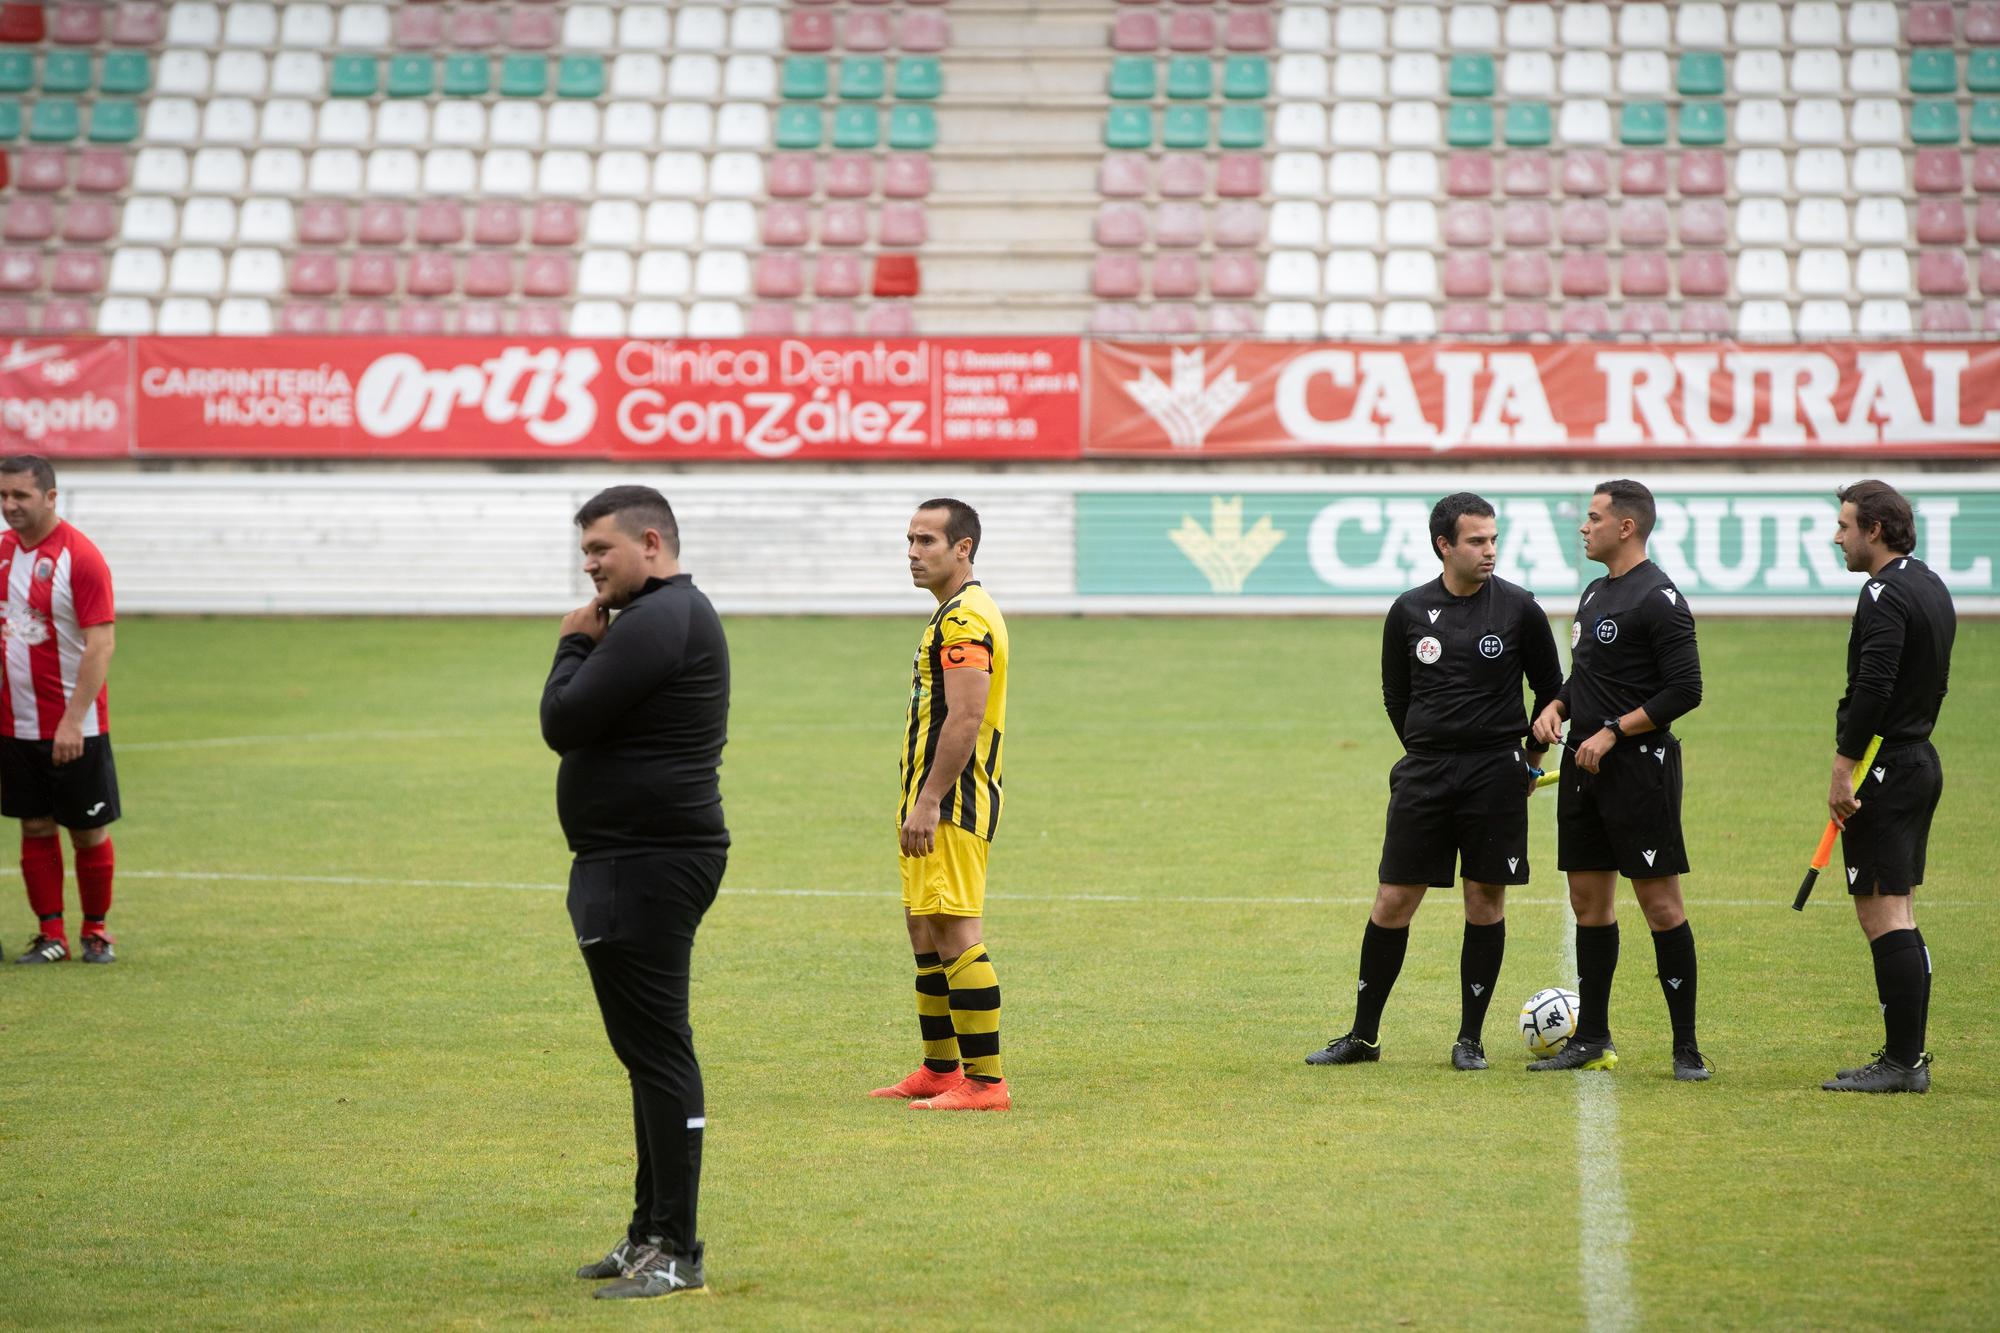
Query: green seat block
10,119
55,120
1643,123
467,76
1241,127
114,120
1982,70
804,79
863,78
1986,121
1128,127
856,127
127,72
1469,124
1185,127
352,76
580,76
1703,124
66,72
17,71
912,127
1702,74
919,78
1132,78
524,76
411,76
1934,122
1246,78
798,127
1190,78
1528,125
1933,72
1471,76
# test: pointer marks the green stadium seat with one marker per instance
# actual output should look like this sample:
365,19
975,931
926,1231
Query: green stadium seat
1190,78
798,127
1125,127
1471,76
55,120
411,76
1986,121
1703,124
114,120
352,76
580,76
1702,75
804,79
1185,127
524,76
1469,124
1133,78
912,128
1982,70
1934,122
467,76
856,127
863,78
1528,125
17,71
919,78
10,119
1246,78
1643,123
127,72
1933,71
66,72
1241,127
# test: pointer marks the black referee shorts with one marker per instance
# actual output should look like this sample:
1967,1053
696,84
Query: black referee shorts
1884,844
1465,811
82,794
1626,816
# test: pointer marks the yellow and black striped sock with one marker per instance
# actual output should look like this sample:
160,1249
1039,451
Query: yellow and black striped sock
975,1012
934,1015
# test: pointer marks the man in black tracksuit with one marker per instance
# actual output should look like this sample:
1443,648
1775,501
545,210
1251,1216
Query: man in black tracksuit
638,708
1898,667
1454,652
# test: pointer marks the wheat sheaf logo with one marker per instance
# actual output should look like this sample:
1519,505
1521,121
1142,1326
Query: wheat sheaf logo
1189,407
1225,554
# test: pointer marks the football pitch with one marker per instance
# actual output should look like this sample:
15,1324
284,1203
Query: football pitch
348,1072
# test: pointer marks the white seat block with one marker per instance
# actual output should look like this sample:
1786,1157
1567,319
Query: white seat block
736,175
1413,173
1352,273
394,171
1354,174
699,28
280,171
656,319
612,222
665,273
159,171
1815,23
643,27
344,122
1764,319
1700,25
1642,25
564,173
218,171
251,25
1821,171
604,273
182,74
1762,222
1761,171
1357,125
266,222
1298,125
722,273
242,74
1415,125
1586,74
1528,73
588,27
697,76
1887,318
1304,29
1358,74
1586,26
1883,272
1873,23
575,124
638,74
1644,74
1818,120
450,172
1351,222
1290,319
193,24
1881,221
597,319
687,125
672,222
137,271
754,78
1301,76
1410,222
1358,27
728,224
1760,120
459,122
208,221
1816,72
186,316
1415,74
256,271
172,120
124,316
1409,319
149,222
1530,27
1294,223
1584,121
1876,70
1756,73
1416,27
507,171
298,74
242,317
754,29
1879,171
674,174
1409,272
1347,319
307,26
1292,273
1473,27
1877,120
517,123
630,124
743,125
1822,222
715,319
362,27
1297,175
1759,23
1823,272
1825,319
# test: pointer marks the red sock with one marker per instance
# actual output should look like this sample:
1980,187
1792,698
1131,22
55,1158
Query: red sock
42,868
93,885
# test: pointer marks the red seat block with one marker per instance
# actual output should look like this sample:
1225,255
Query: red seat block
897,275
22,23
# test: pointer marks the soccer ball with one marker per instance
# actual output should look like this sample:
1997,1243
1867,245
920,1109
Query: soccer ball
1548,1020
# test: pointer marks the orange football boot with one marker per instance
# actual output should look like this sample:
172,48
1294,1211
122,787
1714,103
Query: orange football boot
926,1082
969,1095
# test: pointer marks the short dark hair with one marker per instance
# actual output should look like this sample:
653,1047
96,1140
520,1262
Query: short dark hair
44,470
1444,518
636,509
963,521
1879,502
1633,500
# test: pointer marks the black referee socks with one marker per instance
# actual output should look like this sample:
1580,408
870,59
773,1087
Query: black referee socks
1596,962
1902,983
1478,972
1673,951
1382,950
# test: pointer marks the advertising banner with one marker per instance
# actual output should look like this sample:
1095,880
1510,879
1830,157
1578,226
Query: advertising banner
69,399
897,400
1225,399
1767,540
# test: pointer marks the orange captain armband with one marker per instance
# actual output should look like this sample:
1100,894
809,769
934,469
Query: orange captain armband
967,655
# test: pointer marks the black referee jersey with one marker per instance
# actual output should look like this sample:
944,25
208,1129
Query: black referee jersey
1452,666
1633,647
1898,658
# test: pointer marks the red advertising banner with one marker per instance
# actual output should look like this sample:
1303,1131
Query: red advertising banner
67,399
908,399
1224,399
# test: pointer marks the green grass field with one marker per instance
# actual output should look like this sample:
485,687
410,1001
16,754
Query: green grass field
349,1072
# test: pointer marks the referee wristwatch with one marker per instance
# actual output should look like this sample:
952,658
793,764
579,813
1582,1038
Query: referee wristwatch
1611,725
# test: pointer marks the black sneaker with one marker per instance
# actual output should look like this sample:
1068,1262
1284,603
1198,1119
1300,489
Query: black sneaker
44,949
97,949
1580,1055
654,1272
1691,1066
1885,1075
1923,1061
1467,1055
613,1264
1347,1049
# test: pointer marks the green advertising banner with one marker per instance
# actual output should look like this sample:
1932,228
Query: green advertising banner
1746,543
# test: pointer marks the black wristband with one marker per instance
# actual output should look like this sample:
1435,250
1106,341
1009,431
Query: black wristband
1611,725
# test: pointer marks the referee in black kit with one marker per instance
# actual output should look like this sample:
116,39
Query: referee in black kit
1454,652
1898,665
638,708
1635,669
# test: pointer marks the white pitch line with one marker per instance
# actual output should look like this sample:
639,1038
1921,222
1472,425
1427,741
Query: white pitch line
292,738
1605,1229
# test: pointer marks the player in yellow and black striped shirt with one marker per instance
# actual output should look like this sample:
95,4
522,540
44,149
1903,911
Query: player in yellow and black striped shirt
949,812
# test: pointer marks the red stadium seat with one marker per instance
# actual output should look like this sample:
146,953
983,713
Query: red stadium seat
480,319
1709,317
1525,174
474,28
1982,22
555,223
431,274
533,29
1940,222
890,319
897,275
104,171
384,224
1526,222
790,176
419,27
440,222
1704,222
29,220
1176,275
366,318
548,275
79,271
489,274
921,30
1643,274
540,321
1468,224
1942,273
496,223
1703,172
314,274
1586,172
1468,175
1940,171
1120,225
1235,274
1590,319
75,317
1465,318
1929,23
78,24
1190,32
770,321
837,275
1115,276
1521,320
1174,317
1122,175
808,31
1584,222
850,176
1986,170
321,222
42,170
786,225
1643,172
1234,320
22,23
843,224
1642,222
1179,225
1989,273
865,32
1468,274
139,23
1237,176
906,175
1986,226
1525,274
16,317
1704,273
1238,224
1112,320
1247,30
90,220
1945,317
1586,273
831,319
1645,317
299,318
371,275
903,223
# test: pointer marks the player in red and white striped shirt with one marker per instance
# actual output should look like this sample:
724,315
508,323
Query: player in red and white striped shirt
55,741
